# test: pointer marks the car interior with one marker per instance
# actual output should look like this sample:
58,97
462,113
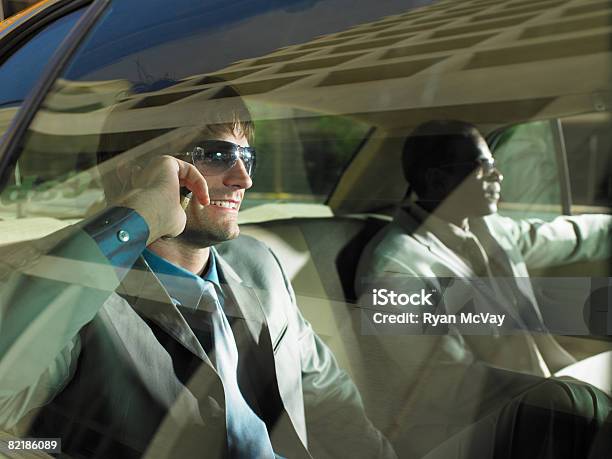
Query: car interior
332,104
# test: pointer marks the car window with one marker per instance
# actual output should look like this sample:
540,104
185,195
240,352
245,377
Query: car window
312,151
150,91
334,88
528,156
20,70
588,143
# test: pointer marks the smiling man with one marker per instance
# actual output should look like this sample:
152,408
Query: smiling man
227,161
451,241
198,350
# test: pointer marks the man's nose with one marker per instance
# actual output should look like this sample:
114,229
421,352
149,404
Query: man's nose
238,177
494,175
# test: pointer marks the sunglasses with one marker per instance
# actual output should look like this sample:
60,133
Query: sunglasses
214,157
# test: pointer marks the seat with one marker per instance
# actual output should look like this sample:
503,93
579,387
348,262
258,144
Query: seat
333,246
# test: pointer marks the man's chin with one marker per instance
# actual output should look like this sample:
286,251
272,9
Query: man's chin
489,208
205,238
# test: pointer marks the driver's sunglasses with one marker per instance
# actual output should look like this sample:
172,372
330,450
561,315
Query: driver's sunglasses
214,157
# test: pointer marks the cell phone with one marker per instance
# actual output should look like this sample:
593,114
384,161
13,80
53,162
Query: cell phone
185,197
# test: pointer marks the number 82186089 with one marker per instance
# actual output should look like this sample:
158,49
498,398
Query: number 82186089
43,445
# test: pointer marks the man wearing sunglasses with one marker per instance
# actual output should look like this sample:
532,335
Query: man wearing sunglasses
451,243
200,350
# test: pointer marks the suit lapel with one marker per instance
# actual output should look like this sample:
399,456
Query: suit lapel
418,230
243,301
454,263
149,298
459,270
204,399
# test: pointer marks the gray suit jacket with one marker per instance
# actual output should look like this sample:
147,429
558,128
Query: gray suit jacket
116,371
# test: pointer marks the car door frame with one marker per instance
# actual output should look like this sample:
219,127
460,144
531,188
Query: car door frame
9,144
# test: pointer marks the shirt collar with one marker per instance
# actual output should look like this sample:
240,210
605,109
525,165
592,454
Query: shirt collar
449,233
182,285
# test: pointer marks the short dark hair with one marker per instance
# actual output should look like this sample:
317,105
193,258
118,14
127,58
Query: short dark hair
435,143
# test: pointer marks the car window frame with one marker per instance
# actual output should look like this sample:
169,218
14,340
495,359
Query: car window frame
13,136
369,135
11,23
562,166
20,32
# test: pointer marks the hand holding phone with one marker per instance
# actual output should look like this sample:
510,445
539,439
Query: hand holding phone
154,195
